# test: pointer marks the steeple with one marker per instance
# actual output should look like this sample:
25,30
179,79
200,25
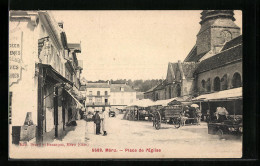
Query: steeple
216,14
217,27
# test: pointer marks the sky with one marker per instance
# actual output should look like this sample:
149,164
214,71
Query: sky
131,44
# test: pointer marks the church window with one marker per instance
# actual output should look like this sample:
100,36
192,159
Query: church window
208,85
236,80
178,90
217,84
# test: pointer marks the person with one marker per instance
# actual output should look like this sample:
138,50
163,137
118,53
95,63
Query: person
103,121
198,115
192,114
222,114
208,117
97,121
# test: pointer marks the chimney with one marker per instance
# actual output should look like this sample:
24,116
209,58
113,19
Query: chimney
60,24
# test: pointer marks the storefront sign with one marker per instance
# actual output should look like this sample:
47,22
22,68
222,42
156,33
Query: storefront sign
15,56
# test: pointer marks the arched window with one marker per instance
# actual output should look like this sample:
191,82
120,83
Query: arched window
224,82
178,90
236,80
217,84
203,85
208,86
170,92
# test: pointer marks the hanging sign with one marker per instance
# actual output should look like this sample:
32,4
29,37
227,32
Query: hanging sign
15,56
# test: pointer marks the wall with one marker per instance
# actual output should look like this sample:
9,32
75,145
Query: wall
126,97
25,91
220,72
94,94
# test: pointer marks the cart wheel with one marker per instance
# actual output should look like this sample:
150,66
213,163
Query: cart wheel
220,134
176,123
157,120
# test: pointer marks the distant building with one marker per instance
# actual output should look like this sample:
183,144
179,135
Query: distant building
139,95
97,96
121,95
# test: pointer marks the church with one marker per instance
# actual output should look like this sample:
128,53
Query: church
213,65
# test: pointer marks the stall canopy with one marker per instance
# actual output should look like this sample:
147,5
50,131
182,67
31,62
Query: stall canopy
143,103
148,102
79,105
230,94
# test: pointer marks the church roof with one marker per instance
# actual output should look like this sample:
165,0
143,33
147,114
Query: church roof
223,58
192,56
150,90
234,42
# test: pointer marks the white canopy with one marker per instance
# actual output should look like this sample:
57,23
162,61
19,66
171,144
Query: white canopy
221,95
142,103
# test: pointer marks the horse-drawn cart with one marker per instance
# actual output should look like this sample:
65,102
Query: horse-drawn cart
170,113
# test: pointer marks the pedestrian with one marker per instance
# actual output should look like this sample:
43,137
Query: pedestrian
198,115
97,121
103,121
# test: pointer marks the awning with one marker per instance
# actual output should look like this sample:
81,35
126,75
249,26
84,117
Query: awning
225,95
79,105
142,103
53,75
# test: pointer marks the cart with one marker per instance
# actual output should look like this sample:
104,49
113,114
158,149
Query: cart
170,113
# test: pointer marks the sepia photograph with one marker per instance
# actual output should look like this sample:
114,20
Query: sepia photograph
125,84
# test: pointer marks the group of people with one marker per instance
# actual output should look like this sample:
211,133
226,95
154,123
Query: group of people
194,113
100,121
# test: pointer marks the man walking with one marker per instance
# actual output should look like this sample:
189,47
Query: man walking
103,121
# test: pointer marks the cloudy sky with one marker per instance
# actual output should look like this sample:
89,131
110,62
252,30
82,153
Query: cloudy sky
131,44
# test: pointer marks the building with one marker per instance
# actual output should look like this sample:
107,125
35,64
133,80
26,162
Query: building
121,95
97,96
214,64
41,75
106,95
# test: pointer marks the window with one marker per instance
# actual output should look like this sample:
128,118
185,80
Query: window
224,82
106,93
90,92
90,100
178,90
98,99
208,85
203,84
98,93
236,80
217,84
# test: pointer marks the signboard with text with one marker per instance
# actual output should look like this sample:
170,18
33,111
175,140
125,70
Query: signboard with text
15,56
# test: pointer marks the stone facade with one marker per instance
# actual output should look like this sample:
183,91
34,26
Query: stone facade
213,64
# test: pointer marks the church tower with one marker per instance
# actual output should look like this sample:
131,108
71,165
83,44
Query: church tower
217,27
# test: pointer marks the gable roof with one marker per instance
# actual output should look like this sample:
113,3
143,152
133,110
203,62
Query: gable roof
150,90
192,56
97,85
232,43
116,88
188,68
225,57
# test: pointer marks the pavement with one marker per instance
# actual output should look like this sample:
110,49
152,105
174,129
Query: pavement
139,139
